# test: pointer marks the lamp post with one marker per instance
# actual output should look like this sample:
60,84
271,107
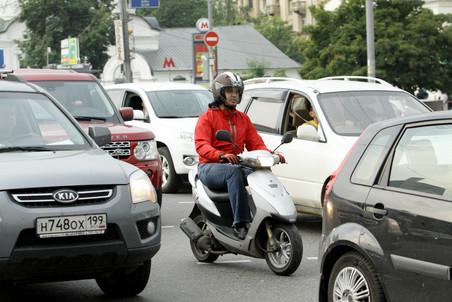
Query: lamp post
370,39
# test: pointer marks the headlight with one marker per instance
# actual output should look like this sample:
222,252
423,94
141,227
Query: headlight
187,136
141,188
146,150
266,162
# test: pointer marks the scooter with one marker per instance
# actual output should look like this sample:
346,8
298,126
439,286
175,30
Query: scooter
272,233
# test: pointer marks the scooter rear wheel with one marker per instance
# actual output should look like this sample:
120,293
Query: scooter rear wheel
202,255
289,249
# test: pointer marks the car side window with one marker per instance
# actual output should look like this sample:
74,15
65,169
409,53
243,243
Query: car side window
422,161
265,113
134,100
368,166
116,96
246,98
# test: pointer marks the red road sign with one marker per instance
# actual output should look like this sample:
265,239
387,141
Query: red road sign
211,38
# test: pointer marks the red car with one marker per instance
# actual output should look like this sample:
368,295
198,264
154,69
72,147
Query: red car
84,97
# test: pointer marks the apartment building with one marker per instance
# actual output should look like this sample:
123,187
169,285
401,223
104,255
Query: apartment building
294,12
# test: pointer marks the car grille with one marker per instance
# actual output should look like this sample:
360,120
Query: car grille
120,149
43,197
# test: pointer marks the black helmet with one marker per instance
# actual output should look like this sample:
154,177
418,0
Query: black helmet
224,80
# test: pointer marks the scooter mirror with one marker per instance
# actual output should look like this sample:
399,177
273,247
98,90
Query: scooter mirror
287,138
223,135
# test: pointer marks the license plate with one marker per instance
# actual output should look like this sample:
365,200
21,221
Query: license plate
64,226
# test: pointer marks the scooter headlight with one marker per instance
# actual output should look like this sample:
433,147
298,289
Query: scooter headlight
266,161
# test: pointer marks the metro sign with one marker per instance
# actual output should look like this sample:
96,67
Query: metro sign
203,25
168,63
211,38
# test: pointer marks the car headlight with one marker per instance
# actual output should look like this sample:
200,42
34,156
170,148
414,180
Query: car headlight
187,136
141,188
146,150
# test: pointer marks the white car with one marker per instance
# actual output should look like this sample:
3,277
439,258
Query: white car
344,106
171,111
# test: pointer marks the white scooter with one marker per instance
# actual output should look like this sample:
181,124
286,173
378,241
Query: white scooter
272,233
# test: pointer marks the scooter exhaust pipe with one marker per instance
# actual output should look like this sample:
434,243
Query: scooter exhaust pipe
190,228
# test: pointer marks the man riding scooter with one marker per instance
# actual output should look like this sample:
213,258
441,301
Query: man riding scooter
213,154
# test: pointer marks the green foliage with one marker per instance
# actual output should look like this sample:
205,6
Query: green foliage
280,73
48,22
412,45
282,36
177,13
226,13
256,69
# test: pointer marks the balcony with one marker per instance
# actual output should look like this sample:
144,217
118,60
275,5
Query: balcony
298,7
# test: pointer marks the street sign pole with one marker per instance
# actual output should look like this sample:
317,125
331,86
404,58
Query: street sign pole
125,35
211,63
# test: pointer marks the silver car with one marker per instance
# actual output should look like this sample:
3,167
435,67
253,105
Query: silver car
67,209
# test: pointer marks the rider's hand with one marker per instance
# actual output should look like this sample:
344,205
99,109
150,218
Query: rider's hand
231,158
282,159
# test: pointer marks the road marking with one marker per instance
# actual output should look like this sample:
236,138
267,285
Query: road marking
227,261
188,202
167,226
312,258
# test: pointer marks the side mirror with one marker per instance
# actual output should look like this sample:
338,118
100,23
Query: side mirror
138,115
308,132
101,135
223,135
126,113
287,138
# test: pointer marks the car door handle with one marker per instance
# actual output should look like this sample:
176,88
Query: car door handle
376,211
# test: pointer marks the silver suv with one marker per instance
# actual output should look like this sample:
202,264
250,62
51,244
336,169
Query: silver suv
69,210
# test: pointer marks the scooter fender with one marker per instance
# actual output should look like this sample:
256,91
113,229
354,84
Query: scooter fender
270,195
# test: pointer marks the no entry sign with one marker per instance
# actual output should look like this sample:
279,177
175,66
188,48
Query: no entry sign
211,38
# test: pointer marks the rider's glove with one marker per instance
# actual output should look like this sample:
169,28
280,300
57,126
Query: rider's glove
230,158
282,159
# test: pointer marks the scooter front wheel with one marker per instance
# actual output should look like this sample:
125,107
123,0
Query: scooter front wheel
285,256
202,255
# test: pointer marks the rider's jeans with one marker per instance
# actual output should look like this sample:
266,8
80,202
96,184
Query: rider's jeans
231,177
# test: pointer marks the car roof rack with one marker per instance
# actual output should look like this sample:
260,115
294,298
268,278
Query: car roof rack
266,80
358,78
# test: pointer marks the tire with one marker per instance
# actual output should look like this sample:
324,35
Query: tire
287,258
125,283
170,180
200,255
364,272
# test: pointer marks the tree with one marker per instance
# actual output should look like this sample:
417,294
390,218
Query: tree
177,13
412,45
49,22
281,35
225,12
256,69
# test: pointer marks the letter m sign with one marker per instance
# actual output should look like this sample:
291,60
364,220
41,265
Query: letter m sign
168,63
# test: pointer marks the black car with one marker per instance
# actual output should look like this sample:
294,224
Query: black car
387,218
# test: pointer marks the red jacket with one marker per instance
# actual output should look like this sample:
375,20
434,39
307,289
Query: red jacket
236,122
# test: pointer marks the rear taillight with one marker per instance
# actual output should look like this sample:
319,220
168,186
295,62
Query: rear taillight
330,183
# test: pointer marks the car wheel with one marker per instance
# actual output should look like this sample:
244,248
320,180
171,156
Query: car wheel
286,257
354,279
202,255
170,180
126,282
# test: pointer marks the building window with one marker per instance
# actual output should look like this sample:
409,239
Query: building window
250,3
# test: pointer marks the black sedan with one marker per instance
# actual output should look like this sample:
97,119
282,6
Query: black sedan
387,215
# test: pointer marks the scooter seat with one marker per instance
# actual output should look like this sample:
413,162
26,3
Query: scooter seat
217,196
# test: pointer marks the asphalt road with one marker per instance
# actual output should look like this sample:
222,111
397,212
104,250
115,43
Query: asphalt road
177,276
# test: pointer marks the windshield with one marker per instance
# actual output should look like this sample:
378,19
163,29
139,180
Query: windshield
180,103
349,113
83,99
32,120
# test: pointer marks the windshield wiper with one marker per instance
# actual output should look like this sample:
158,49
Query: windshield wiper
89,118
25,149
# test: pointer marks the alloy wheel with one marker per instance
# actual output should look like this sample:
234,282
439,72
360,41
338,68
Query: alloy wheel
351,286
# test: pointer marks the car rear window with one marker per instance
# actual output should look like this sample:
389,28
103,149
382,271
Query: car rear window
349,113
180,103
81,98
